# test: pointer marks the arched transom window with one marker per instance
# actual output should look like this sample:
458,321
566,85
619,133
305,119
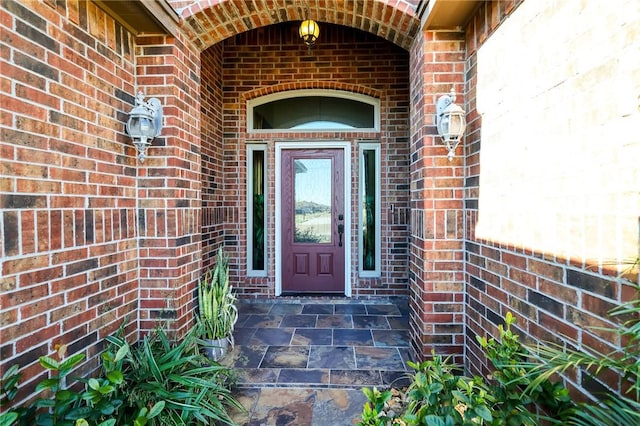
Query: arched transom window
314,110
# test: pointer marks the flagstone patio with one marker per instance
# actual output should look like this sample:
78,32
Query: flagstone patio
304,361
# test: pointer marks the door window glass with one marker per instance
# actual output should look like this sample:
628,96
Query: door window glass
312,200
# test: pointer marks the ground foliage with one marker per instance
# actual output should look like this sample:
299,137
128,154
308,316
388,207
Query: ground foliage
520,390
157,382
440,395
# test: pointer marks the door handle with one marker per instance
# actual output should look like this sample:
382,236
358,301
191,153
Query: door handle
340,232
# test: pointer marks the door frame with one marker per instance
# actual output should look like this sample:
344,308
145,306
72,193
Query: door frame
346,147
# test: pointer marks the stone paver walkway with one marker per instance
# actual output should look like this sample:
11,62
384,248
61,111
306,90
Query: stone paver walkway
304,361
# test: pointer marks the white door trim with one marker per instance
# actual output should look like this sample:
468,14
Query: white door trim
346,147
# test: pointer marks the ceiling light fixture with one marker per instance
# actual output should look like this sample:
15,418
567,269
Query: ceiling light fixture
309,31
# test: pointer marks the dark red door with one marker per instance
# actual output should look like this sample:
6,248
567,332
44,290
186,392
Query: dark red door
313,221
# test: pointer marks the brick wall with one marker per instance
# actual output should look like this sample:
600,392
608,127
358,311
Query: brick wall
90,236
68,251
169,185
273,59
437,238
213,195
552,196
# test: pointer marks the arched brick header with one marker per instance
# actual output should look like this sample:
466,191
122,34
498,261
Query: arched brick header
301,85
208,22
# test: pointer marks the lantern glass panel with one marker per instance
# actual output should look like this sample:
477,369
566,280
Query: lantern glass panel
133,127
456,126
443,126
147,127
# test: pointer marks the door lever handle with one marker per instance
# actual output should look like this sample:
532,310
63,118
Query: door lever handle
340,232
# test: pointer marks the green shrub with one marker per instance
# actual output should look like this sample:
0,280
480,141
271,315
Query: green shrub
520,390
194,389
159,382
440,395
513,374
64,406
437,396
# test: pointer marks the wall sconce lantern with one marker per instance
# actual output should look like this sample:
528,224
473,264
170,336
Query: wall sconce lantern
145,123
450,121
309,31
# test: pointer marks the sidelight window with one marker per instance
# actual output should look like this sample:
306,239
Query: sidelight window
369,207
256,218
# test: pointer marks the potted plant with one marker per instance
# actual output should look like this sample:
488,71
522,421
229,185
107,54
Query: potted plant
218,312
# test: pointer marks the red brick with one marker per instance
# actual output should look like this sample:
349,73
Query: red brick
27,224
23,328
522,277
40,97
41,335
597,305
546,269
35,186
83,292
558,326
80,320
36,126
24,170
596,344
588,321
513,259
21,107
67,310
8,317
561,292
22,264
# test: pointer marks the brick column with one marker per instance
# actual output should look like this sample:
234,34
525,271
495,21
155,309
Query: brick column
437,206
168,198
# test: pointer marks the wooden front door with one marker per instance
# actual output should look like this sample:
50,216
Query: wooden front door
313,221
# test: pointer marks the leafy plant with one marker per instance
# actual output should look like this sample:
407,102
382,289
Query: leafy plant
158,382
520,390
65,406
373,413
8,391
216,301
512,375
439,395
194,390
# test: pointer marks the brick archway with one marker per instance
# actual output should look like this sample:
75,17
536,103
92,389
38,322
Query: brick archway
301,85
208,22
